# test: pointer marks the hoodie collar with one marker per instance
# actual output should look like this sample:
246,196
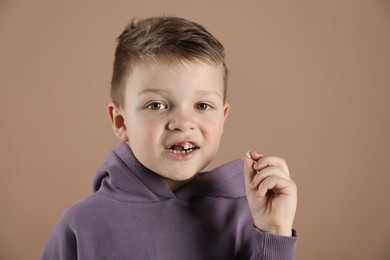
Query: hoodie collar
123,177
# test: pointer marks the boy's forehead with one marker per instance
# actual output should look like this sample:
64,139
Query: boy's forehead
200,74
156,77
173,65
166,92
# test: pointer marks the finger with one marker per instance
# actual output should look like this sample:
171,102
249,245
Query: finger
265,173
276,184
249,173
266,161
255,155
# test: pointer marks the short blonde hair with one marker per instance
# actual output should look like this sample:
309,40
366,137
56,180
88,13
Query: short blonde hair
167,38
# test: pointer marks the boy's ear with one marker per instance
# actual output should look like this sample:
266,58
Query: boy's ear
226,108
117,122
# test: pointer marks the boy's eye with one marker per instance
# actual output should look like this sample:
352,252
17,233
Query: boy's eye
156,106
203,106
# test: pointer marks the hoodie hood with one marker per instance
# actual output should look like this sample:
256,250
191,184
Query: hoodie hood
122,177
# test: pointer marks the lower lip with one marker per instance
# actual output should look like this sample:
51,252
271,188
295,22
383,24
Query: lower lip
181,157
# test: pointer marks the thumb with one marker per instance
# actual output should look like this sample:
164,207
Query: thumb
249,173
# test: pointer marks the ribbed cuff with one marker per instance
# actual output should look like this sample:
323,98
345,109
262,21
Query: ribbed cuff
274,247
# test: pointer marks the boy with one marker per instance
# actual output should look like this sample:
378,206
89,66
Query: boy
151,200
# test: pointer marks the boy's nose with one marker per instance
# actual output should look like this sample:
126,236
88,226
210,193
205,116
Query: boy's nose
181,121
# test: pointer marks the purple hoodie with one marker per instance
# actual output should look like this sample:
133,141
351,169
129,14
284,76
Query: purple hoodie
133,215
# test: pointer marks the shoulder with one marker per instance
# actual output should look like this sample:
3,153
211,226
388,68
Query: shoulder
80,212
63,241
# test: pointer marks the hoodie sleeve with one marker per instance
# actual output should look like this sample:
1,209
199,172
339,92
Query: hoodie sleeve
267,246
62,244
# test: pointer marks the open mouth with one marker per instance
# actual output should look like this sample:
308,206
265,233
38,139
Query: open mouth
182,148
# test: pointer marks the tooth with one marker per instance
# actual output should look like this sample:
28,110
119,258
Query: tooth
186,148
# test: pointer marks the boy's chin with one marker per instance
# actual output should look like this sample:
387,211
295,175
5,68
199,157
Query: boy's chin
183,177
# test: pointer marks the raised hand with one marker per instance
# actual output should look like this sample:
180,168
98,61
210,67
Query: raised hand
271,193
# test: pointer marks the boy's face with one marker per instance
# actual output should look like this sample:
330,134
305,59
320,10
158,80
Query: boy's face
173,118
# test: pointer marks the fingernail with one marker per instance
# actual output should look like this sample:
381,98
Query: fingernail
248,154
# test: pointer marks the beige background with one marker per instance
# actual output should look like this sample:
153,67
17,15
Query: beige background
309,82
